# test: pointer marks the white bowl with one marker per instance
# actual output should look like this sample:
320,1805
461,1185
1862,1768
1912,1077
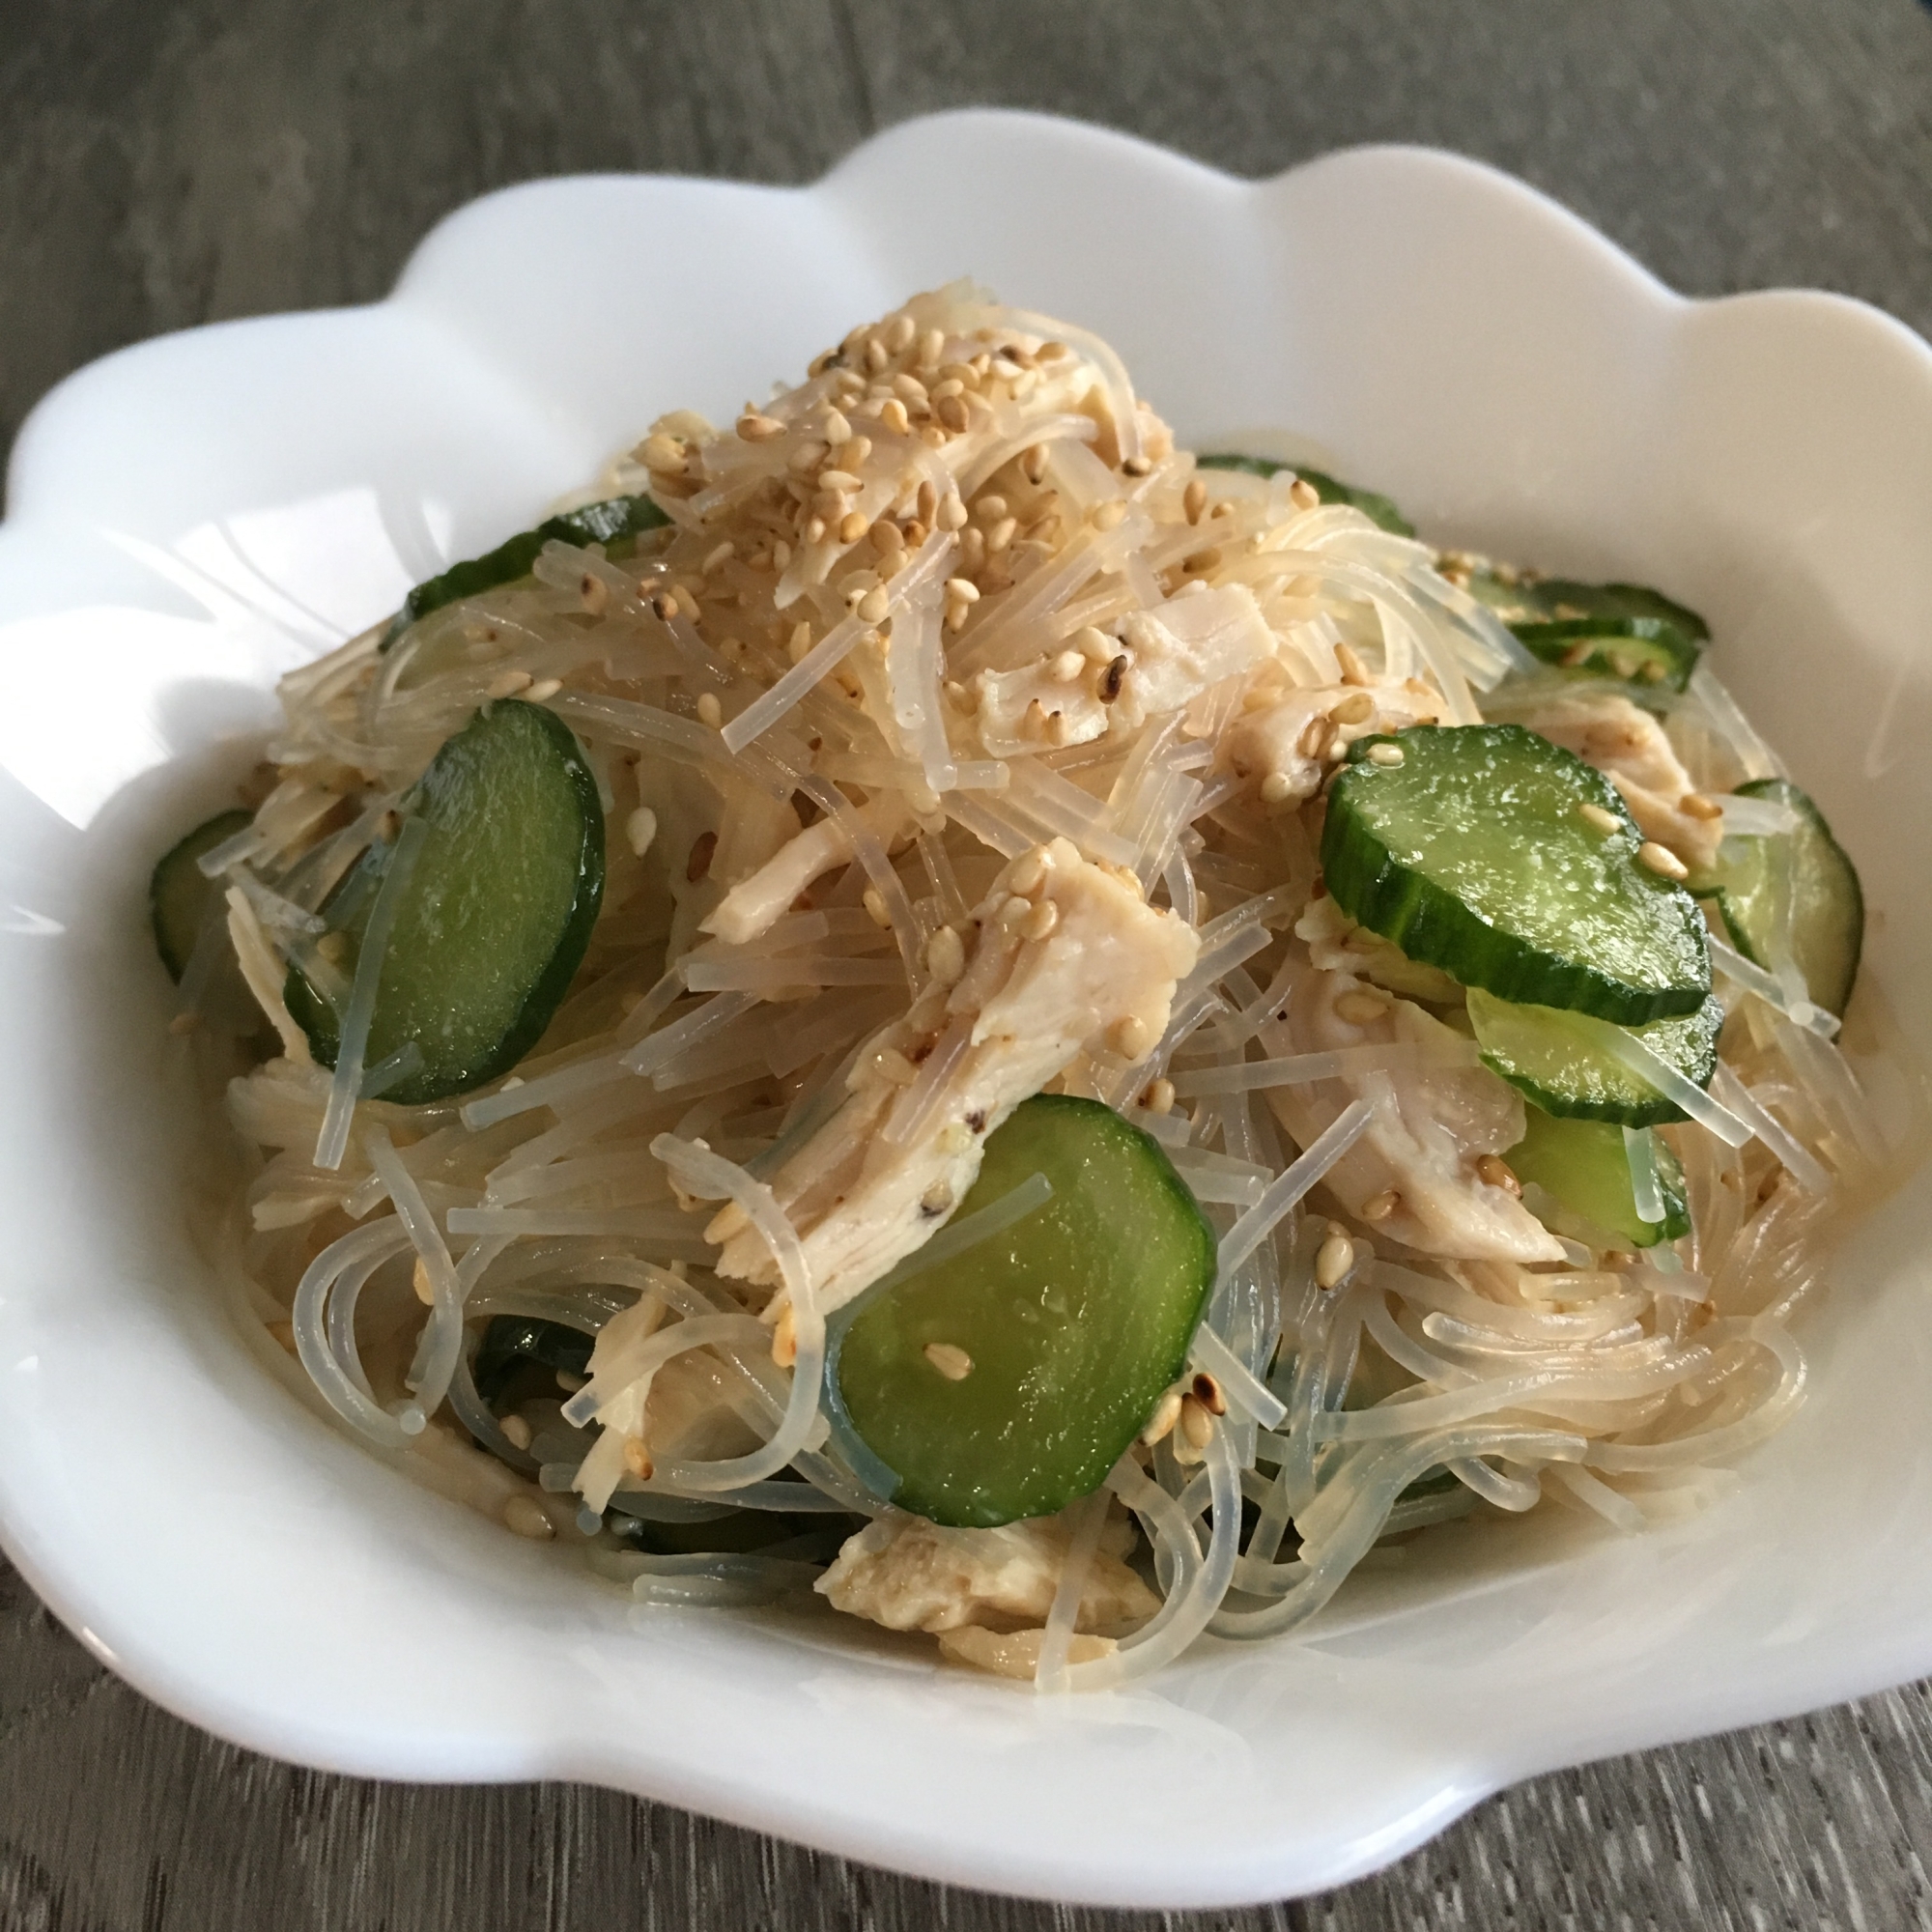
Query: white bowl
192,516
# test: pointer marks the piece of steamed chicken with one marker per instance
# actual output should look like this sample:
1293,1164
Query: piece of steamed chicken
907,1573
1430,1126
1629,747
760,897
1061,957
1284,747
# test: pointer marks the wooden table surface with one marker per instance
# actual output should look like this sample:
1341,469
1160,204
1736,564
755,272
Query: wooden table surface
166,165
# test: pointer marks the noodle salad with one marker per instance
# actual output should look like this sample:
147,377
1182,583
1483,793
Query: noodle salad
929,1003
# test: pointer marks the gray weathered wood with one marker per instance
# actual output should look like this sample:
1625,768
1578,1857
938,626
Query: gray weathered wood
167,167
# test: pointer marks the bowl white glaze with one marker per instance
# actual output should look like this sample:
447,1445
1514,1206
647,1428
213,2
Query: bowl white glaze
189,516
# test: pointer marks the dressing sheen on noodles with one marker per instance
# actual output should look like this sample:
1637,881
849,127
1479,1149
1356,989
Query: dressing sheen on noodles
952,738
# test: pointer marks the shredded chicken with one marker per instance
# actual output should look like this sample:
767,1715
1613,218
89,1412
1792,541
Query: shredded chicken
756,900
1063,957
1286,744
1416,1168
907,1573
1629,747
1338,945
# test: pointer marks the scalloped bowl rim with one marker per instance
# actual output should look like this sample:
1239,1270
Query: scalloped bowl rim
262,1577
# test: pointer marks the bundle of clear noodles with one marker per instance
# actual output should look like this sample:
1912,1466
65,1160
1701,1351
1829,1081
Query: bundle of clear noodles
951,616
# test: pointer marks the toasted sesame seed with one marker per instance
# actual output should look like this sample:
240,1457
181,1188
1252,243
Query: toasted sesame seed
506,684
1352,671
518,1431
1166,1413
806,457
1379,1206
963,590
895,1067
1385,755
1360,1007
1197,1422
525,1515
545,688
839,482
946,956
951,512
698,864
800,641
1033,465
987,510
639,829
1493,1171
911,391
887,536
1277,788
1303,495
1316,736
1109,515
709,711
931,346
1661,859
1067,666
852,526
814,530
1599,818
1129,1037
877,355
1194,499
1355,709
953,1363
419,1281
1135,466
593,593
1695,805
1158,1098
719,556
781,554
1113,678
1042,921
637,1457
835,428
875,907
664,454
873,606
664,607
1333,1259
1206,1390
784,1338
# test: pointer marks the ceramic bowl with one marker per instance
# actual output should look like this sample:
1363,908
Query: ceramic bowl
190,517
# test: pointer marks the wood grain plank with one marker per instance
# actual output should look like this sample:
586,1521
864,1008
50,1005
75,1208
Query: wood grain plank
170,166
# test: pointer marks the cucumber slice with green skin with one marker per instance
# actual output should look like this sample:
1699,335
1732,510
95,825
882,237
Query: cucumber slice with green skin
495,917
1640,650
180,894
512,1341
607,522
1798,887
1586,1166
1526,598
1074,1320
1566,1076
1373,504
1472,855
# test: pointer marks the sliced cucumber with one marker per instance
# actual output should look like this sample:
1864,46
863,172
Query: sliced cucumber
1472,854
1586,1164
180,894
513,1341
607,522
495,916
1373,504
1073,1320
1640,650
1566,1074
1524,597
1794,894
